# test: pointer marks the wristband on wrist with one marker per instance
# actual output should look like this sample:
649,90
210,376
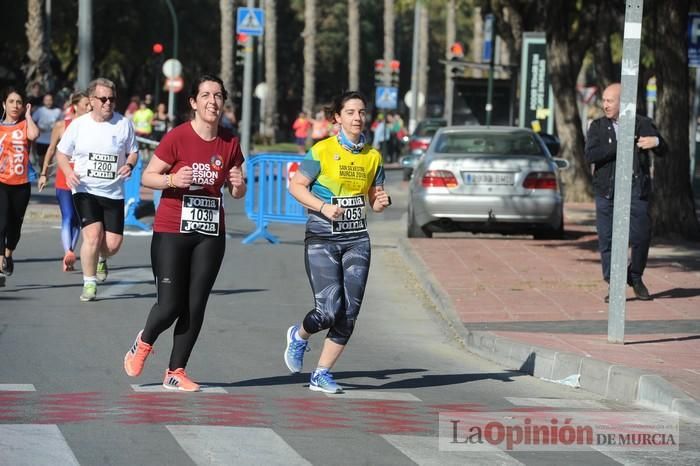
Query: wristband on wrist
169,180
320,209
130,165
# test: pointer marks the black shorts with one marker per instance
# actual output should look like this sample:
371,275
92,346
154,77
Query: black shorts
91,209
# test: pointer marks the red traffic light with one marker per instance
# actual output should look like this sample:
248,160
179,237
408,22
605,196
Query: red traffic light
457,50
157,47
241,38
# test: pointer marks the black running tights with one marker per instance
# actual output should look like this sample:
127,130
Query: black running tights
13,204
185,267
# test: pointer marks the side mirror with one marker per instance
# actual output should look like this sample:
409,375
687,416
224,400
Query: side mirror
562,164
552,143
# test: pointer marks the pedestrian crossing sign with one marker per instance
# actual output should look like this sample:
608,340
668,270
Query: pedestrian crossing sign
387,97
250,21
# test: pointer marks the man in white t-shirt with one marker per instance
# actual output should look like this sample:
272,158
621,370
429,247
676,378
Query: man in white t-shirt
103,148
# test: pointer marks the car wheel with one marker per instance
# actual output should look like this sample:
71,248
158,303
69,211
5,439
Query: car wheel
550,233
414,230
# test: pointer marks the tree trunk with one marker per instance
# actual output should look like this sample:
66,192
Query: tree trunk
354,44
389,19
309,35
423,66
450,37
562,73
673,209
565,52
37,69
271,113
226,9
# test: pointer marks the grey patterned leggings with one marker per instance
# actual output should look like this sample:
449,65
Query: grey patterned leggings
337,273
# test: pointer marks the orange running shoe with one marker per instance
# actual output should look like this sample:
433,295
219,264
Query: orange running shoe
69,261
136,357
178,380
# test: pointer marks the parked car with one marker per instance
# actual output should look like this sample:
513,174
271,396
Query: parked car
418,143
496,178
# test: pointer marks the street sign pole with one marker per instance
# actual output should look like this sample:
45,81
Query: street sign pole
247,110
488,55
250,21
414,67
172,111
623,170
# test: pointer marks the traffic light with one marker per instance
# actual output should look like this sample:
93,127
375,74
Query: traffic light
378,72
157,48
395,66
457,50
455,57
241,42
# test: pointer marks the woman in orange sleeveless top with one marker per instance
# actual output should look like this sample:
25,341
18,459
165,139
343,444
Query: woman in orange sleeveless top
16,130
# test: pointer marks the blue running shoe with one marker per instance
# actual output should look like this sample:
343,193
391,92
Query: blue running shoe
322,381
294,352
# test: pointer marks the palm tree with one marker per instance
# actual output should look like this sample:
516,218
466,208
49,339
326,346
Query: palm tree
270,69
226,9
354,44
38,69
309,35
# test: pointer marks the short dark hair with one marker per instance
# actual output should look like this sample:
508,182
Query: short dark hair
194,89
340,100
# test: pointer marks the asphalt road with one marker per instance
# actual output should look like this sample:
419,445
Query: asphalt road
65,399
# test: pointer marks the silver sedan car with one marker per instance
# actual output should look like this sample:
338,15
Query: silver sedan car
487,179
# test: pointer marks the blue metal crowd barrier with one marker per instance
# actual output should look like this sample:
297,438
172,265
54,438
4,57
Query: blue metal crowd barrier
267,199
132,197
132,190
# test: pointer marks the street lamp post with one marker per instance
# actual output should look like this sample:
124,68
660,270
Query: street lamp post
171,96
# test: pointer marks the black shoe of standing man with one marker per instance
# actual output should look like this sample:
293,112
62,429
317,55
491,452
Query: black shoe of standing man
641,291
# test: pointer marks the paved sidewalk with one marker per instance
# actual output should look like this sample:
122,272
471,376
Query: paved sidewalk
531,296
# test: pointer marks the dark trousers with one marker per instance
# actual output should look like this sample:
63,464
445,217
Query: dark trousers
639,239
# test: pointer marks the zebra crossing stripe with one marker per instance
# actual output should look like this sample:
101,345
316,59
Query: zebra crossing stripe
17,387
214,445
424,451
158,387
35,445
374,395
671,458
557,403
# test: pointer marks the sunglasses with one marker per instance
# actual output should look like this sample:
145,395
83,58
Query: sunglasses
105,99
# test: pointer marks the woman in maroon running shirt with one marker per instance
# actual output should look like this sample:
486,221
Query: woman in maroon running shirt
191,164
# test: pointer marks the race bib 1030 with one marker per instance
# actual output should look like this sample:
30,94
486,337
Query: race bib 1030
200,214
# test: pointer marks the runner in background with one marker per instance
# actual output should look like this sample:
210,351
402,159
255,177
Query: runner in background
301,127
103,148
191,165
17,130
340,178
70,222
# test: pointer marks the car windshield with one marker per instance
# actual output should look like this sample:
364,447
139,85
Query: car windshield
428,129
495,143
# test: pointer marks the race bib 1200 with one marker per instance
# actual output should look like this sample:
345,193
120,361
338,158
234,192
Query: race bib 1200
102,166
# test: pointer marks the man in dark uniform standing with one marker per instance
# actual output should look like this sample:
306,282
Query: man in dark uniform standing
601,151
